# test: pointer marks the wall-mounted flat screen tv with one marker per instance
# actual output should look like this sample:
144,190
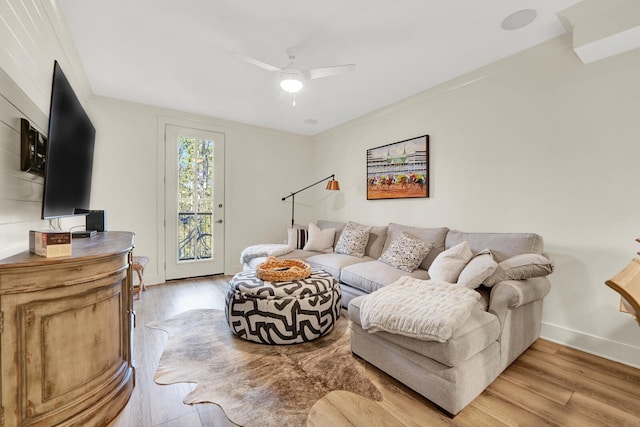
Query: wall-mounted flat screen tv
69,158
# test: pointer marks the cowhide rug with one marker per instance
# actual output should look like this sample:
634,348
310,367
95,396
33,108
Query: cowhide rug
257,384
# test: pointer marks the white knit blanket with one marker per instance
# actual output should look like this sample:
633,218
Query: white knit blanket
264,250
424,309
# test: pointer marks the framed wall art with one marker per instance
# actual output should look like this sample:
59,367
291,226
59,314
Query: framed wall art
399,170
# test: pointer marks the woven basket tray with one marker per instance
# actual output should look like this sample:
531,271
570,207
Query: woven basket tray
275,270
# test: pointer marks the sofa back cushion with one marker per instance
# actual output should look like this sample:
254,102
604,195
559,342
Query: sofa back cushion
502,245
377,237
339,226
434,235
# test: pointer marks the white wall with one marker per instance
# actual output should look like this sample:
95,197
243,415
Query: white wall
260,168
32,35
537,142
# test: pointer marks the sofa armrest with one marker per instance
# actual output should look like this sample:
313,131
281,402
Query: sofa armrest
512,294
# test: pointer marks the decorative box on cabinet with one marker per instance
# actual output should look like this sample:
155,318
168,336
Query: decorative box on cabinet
65,325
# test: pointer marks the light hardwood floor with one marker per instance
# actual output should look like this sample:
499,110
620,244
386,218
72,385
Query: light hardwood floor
548,385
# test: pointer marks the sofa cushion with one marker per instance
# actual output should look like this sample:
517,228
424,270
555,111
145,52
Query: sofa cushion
449,264
377,236
333,263
320,240
502,245
371,276
405,252
435,235
339,226
476,334
353,240
298,254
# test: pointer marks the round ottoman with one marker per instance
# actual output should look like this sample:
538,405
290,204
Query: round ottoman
288,312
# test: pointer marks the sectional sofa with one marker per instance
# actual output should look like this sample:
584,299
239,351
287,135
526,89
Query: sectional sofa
502,324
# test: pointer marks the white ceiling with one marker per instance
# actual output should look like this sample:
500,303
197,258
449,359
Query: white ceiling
175,53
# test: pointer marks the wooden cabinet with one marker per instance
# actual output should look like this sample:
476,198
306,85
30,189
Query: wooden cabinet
65,325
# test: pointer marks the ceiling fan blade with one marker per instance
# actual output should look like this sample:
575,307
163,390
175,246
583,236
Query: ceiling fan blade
254,61
317,73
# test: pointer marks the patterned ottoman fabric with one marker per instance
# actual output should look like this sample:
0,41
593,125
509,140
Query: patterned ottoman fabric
288,312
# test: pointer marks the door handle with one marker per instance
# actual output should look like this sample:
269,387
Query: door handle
219,221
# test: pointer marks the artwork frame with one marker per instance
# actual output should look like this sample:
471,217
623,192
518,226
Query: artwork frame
399,170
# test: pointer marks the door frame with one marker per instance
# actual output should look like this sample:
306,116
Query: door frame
163,121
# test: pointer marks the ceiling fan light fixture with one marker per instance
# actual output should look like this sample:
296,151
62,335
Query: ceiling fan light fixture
291,80
290,84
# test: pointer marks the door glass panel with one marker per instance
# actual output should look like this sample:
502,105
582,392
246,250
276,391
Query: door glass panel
195,199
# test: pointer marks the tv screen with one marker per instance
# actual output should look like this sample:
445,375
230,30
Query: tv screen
69,159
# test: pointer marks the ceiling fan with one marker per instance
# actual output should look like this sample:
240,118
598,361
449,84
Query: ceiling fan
292,77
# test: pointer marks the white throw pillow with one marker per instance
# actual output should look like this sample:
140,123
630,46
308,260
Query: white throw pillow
449,264
477,270
320,240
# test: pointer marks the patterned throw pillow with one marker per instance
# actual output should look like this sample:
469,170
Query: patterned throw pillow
297,237
353,240
406,252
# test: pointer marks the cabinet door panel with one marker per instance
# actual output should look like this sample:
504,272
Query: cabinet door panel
58,334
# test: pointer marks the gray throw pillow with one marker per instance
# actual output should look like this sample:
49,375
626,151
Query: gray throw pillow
521,267
406,252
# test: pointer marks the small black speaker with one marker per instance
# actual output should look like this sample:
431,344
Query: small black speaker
96,220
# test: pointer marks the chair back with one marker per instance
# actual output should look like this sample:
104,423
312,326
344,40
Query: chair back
627,284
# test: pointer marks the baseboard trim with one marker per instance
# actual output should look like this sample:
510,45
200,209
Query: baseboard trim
149,280
608,349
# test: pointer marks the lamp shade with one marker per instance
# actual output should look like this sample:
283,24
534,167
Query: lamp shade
333,185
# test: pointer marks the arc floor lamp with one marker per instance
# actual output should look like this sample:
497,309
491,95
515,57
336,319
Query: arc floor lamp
331,185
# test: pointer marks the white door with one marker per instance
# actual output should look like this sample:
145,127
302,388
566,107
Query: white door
194,206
